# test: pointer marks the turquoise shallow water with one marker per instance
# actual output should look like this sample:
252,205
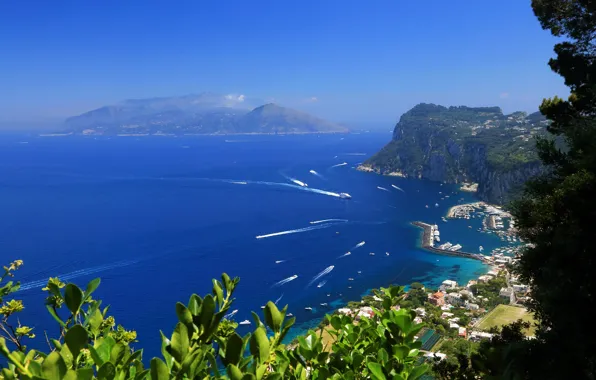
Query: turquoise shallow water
156,218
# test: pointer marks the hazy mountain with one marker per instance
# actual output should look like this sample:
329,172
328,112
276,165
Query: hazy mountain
205,113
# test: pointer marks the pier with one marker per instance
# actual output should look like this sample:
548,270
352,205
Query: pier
427,243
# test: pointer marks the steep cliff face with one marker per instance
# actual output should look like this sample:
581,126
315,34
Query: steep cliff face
461,144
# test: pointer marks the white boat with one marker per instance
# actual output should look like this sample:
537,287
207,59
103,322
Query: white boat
359,271
426,206
481,248
308,308
321,284
345,196
372,253
289,315
387,253
324,304
437,238
350,279
436,205
245,322
299,183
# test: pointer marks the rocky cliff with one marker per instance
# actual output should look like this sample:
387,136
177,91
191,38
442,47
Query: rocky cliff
464,144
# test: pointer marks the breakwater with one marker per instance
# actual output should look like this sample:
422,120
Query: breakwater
427,243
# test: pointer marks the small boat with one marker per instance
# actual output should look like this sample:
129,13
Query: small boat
349,287
372,253
359,271
262,307
308,308
345,196
324,304
387,253
436,205
289,315
245,322
350,279
481,248
426,206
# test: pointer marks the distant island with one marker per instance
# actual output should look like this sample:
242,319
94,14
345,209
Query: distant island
202,114
463,145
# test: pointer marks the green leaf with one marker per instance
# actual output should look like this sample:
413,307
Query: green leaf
259,345
53,367
234,349
376,371
207,310
84,373
218,292
383,356
71,374
417,372
92,286
73,297
94,321
142,375
179,342
107,371
76,338
117,353
184,315
401,352
166,355
249,376
7,375
55,316
194,304
234,372
261,371
159,370
97,359
273,317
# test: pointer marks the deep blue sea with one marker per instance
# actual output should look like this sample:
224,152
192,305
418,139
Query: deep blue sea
157,217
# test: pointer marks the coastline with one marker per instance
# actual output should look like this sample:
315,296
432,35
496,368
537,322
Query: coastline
194,134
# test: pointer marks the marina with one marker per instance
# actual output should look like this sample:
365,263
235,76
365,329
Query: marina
444,249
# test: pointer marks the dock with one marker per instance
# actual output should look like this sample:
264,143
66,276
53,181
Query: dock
427,243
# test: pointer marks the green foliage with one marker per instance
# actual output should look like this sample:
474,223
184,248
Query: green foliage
204,344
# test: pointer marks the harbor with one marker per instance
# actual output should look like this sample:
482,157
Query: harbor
428,243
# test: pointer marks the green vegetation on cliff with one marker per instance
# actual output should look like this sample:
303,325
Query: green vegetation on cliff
456,144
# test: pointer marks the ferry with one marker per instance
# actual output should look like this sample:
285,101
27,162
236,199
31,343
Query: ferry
345,196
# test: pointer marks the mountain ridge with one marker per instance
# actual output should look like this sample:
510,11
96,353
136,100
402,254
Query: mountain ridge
205,113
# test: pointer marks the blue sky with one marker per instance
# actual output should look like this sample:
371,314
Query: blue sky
349,61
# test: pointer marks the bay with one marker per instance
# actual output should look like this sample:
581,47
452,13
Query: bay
157,217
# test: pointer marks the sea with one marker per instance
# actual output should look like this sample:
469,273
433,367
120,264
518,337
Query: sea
156,218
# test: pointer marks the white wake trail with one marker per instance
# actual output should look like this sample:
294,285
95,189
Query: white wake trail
335,166
358,245
398,188
296,231
313,172
77,273
382,188
285,281
323,273
328,220
345,254
279,299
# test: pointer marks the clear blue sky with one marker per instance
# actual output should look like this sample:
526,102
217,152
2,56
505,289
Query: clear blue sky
349,61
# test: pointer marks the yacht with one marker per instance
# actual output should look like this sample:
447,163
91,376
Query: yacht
345,196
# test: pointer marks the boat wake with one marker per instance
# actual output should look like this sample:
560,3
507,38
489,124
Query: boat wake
279,261
345,254
303,187
285,281
279,299
382,188
358,245
338,165
321,284
323,273
355,154
315,173
77,273
328,220
297,231
398,188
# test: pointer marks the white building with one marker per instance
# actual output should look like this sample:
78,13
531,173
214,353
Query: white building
455,299
472,306
450,284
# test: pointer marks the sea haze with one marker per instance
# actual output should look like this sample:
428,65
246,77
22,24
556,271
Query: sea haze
157,217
